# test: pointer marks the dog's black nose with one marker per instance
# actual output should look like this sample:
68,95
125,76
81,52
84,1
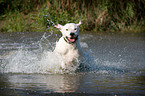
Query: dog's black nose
72,34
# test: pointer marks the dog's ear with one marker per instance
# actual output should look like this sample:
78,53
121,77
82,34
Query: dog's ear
79,23
58,26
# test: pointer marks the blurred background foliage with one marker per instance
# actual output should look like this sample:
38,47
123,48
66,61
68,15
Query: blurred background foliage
96,15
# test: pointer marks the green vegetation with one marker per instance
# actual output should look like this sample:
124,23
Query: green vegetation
96,15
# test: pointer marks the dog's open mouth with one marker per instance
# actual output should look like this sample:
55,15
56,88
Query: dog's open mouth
72,39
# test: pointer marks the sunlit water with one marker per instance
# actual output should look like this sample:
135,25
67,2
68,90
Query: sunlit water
29,66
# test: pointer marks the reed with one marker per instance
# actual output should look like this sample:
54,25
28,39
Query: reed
96,15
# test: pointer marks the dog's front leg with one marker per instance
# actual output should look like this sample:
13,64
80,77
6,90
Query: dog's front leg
63,65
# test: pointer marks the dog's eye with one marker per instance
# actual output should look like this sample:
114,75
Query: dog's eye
66,29
75,29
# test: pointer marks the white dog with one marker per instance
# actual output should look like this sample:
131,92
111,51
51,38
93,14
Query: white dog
68,45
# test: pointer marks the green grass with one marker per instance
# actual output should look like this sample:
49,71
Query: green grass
96,15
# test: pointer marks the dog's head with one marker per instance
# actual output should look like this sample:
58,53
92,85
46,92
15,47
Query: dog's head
70,31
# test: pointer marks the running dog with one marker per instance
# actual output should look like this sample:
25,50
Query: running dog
68,46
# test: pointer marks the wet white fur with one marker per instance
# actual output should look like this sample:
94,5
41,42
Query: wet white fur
69,52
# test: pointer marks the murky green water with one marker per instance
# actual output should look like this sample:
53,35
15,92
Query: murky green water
29,67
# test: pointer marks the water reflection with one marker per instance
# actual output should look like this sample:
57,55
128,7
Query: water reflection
90,83
46,83
4,86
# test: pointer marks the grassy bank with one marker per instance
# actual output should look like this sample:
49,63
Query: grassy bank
96,15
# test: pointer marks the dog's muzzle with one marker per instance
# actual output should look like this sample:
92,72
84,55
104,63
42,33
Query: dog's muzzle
71,39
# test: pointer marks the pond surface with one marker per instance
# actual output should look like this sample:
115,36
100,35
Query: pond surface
28,65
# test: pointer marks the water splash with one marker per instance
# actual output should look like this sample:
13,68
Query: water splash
34,61
40,60
31,61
